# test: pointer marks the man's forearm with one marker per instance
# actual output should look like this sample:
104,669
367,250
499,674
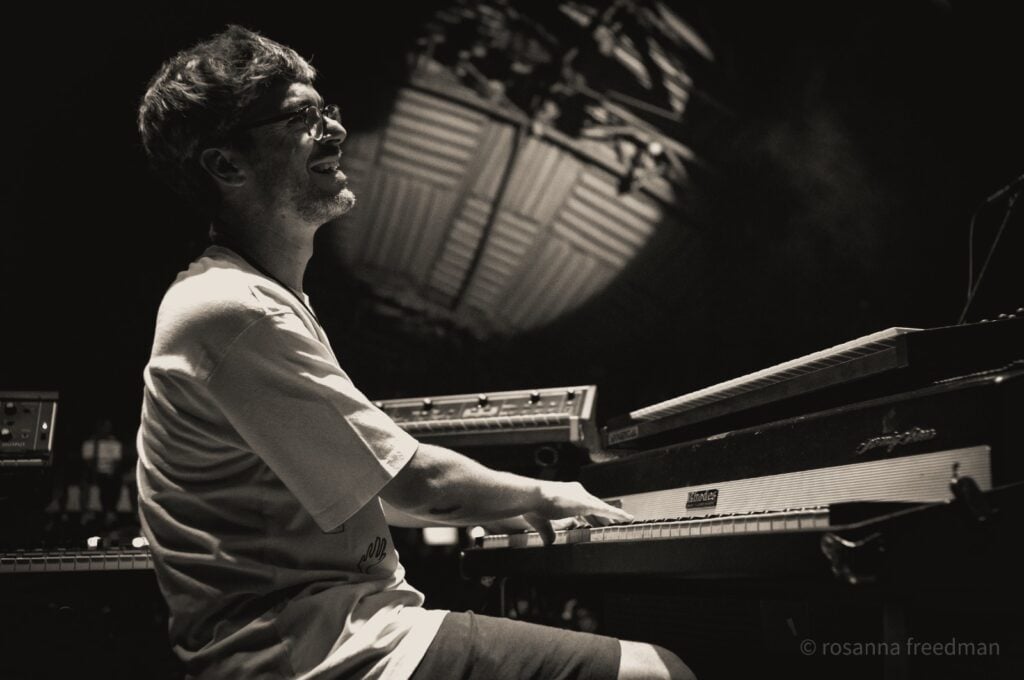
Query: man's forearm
449,488
443,486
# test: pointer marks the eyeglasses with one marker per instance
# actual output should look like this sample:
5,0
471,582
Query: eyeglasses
312,116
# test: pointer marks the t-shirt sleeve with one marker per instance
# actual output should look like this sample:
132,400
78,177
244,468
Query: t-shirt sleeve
285,394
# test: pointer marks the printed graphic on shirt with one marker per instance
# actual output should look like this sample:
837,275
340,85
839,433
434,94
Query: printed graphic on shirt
374,555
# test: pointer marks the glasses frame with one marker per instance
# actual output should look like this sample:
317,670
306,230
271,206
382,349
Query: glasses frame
317,125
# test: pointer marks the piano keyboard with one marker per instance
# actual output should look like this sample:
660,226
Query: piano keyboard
805,499
46,561
677,527
810,363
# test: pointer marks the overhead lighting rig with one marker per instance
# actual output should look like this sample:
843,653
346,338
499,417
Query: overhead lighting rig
592,70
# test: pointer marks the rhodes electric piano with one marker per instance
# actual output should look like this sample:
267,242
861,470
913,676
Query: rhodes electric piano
757,502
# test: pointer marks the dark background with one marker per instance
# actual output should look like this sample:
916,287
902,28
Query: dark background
861,138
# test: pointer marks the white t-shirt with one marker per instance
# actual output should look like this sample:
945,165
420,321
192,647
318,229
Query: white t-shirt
259,468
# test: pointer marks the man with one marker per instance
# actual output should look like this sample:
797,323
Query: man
264,474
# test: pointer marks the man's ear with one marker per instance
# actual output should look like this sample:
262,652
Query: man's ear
222,167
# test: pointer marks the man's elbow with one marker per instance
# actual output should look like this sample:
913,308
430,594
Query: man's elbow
418,487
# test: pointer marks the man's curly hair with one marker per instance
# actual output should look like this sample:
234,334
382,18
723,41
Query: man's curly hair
198,96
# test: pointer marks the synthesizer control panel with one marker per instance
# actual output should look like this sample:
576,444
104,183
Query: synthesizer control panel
545,415
26,428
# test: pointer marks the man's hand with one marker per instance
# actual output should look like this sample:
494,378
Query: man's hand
445,487
561,500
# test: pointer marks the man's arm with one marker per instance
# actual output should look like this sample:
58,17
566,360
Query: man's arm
397,518
444,487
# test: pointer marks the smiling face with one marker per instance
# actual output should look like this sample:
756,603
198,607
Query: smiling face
291,175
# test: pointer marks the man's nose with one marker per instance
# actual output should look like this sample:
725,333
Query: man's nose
334,132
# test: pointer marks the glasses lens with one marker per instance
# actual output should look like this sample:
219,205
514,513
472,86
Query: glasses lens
313,120
333,112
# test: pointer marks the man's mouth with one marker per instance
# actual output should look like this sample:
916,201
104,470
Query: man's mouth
329,167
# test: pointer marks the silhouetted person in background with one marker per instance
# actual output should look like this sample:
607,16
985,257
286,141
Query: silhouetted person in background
104,460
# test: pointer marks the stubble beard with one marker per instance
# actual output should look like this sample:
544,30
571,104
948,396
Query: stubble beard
313,205
320,208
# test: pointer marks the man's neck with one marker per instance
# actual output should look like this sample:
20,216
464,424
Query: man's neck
282,251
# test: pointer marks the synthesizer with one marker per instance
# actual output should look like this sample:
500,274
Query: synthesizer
532,416
889,361
734,504
26,428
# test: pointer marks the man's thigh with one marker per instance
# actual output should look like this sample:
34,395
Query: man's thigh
470,646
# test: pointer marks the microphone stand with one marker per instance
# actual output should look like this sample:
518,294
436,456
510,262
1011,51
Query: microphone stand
1015,188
